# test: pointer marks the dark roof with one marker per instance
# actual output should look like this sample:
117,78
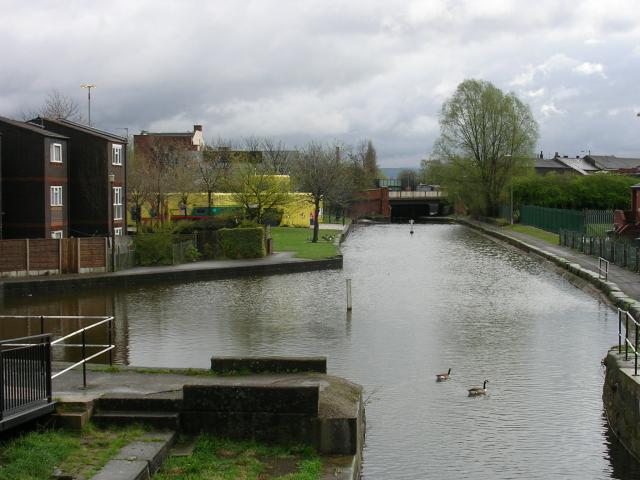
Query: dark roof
32,127
611,162
111,137
541,163
165,134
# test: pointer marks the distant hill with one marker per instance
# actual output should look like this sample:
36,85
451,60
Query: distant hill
392,173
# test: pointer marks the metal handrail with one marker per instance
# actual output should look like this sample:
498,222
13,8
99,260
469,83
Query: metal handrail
603,272
60,341
627,343
27,380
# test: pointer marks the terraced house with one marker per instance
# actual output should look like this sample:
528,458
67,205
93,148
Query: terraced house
97,178
35,187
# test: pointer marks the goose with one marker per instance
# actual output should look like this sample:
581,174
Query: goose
441,377
477,391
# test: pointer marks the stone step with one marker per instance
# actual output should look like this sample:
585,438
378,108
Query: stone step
156,419
138,460
132,403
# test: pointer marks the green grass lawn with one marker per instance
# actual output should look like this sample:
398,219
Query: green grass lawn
298,240
548,237
225,459
35,455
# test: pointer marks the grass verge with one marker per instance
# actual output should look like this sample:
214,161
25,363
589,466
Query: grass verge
226,459
35,455
549,237
298,240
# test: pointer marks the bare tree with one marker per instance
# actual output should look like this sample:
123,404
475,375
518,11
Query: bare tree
276,155
319,172
56,105
162,158
185,176
213,166
138,185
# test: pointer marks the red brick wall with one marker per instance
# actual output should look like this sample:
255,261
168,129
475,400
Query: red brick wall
371,202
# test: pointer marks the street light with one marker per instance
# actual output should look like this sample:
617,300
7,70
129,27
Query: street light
89,86
508,155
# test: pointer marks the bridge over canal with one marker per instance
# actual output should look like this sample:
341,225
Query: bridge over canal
417,204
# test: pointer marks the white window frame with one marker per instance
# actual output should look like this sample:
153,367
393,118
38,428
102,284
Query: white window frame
57,234
117,203
116,155
117,231
55,199
56,147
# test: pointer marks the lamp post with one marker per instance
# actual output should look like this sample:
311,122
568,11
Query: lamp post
88,86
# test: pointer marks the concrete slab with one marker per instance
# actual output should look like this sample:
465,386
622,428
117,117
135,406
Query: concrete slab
124,470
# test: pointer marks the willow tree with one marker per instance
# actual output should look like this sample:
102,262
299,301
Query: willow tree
491,133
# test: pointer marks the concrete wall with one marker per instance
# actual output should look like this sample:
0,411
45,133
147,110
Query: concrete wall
621,396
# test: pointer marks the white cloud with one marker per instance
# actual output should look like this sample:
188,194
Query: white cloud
549,110
588,68
326,68
535,93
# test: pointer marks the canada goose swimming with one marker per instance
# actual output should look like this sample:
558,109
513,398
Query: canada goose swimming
441,377
477,391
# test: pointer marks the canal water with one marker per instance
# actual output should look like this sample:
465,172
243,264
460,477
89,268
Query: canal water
444,297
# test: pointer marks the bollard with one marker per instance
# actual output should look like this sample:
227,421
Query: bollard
349,306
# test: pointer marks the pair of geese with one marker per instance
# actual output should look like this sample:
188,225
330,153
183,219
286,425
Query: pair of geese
473,392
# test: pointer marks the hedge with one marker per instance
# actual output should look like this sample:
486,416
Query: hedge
242,242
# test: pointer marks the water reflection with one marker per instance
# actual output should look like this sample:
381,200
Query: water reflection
443,297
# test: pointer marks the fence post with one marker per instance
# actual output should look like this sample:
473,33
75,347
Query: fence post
110,341
635,367
78,253
59,256
27,246
48,363
626,336
619,331
84,363
625,255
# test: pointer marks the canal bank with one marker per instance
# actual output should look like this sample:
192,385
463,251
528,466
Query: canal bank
275,264
274,400
621,389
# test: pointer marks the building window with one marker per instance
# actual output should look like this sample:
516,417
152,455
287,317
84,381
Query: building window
56,234
117,203
116,157
56,153
117,231
56,196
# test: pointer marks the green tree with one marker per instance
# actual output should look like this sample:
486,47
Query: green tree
258,189
489,135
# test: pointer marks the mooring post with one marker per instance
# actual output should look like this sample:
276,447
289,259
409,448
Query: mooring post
349,305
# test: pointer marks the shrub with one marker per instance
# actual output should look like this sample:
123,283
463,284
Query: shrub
242,242
154,248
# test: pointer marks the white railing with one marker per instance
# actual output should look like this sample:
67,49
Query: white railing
62,342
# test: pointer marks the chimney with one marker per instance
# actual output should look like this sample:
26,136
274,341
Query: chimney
541,155
197,128
557,155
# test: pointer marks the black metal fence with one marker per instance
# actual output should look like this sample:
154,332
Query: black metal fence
619,253
25,373
594,223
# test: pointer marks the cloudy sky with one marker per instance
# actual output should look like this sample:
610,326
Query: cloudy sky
330,70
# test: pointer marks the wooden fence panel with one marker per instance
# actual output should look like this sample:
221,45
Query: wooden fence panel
44,254
92,252
13,255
